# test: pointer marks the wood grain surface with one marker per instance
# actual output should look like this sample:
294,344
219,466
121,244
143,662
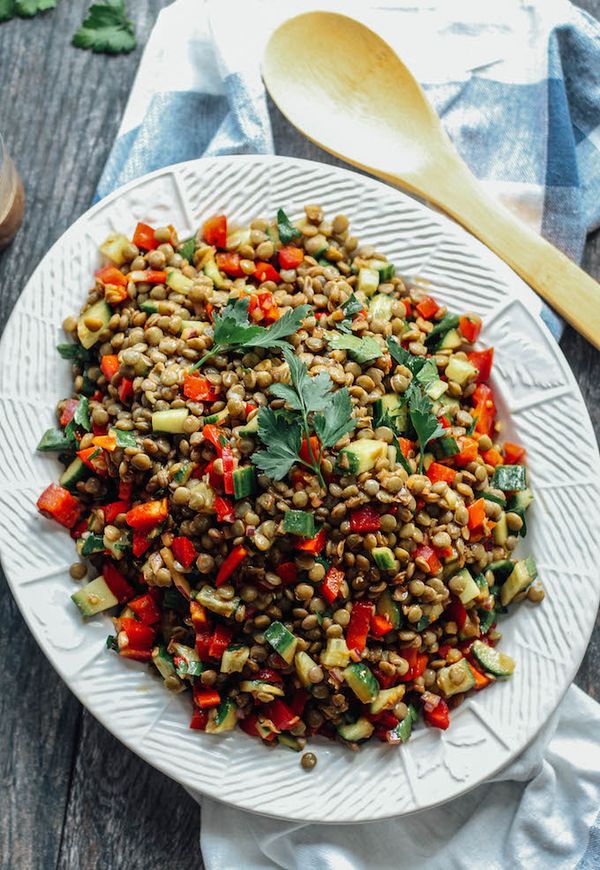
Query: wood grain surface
72,797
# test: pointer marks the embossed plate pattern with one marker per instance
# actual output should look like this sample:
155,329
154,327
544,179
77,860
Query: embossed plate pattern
535,388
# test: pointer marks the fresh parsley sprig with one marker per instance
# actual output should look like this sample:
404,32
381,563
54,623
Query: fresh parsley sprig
316,410
361,350
424,421
232,330
106,29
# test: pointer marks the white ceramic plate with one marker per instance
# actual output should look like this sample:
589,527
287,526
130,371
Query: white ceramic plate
547,415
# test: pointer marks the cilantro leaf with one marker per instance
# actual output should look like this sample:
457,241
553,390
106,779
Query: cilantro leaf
404,358
337,422
7,10
287,231
282,440
426,424
352,306
72,350
29,8
123,438
360,349
314,392
106,29
81,417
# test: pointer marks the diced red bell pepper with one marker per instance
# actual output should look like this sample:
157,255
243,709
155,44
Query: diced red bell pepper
215,435
250,726
220,640
58,504
456,612
269,675
229,464
406,445
485,409
140,543
330,587
266,272
94,459
315,446
407,306
288,573
204,698
386,681
146,609
229,262
290,257
199,389
417,663
482,360
299,701
125,391
148,276
224,510
444,422
492,457
105,442
481,681
470,326
476,513
282,717
262,308
184,551
199,616
111,511
437,471
424,551
427,307
358,627
143,237
468,451
199,720
313,545
513,453
438,716
203,641
116,582
125,490
79,528
68,411
111,275
139,635
147,516
99,430
138,655
380,625
365,519
215,231
109,365
237,555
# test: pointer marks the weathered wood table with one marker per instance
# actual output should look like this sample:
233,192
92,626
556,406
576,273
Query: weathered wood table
71,796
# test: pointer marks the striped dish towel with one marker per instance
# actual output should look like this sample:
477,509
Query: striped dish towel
517,85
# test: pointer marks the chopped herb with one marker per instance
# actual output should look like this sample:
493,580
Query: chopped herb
111,642
106,29
337,422
352,306
425,422
187,249
404,358
81,419
428,373
360,349
124,439
283,440
73,351
24,8
471,428
450,321
287,231
422,624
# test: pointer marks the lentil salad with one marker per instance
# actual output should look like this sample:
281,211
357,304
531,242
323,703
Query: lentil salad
285,464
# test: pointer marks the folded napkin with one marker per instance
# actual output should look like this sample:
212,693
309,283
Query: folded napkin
517,85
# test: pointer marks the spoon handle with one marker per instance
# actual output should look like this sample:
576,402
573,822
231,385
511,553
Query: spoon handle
573,293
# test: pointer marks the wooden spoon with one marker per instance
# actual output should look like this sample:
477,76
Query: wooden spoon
344,87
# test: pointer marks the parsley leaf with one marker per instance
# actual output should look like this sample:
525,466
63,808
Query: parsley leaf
24,8
404,358
312,394
425,422
352,306
106,29
81,417
287,231
283,440
71,350
337,422
7,10
123,438
428,373
360,349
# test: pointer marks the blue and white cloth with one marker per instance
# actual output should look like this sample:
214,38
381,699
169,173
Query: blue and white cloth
517,85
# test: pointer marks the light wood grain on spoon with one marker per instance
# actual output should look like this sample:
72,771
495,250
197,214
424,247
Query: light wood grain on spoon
344,87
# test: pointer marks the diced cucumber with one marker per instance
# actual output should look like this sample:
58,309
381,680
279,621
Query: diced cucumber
354,732
471,589
386,606
88,544
518,504
368,281
113,248
362,681
492,660
450,341
449,569
163,662
170,421
509,478
395,408
189,663
200,487
384,559
223,718
449,406
100,312
380,307
300,523
303,664
486,619
336,654
403,729
428,458
501,569
54,440
460,370
436,389
234,658
211,599
387,698
500,531
244,481
94,597
443,326
187,248
290,742
74,472
211,271
444,447
386,270
149,306
282,641
199,325
250,427
217,418
521,577
361,455
255,687
448,686
179,282
182,475
119,547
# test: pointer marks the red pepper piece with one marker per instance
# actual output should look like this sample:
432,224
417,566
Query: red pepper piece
268,675
184,551
444,422
468,452
365,519
68,411
313,545
282,717
58,504
203,641
199,389
250,726
427,307
204,698
386,681
215,231
481,681
266,272
143,237
125,391
470,326
482,360
358,627
148,276
99,430
485,409
424,551
476,513
199,720
78,529
111,511
492,457
513,453
111,275
109,365
215,435
138,655
229,263
298,702
330,587
406,445
224,509
140,543
438,717
146,609
125,490
315,446
290,257
436,472
139,635
147,516
94,459
117,583
229,464
199,616
456,612
221,638
237,555
288,573
105,442
380,625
